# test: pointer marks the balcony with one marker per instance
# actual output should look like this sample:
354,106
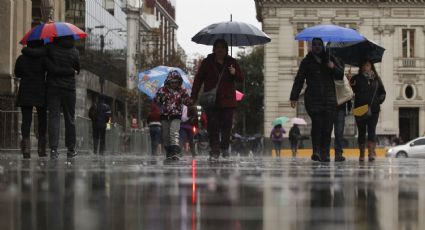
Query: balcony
409,65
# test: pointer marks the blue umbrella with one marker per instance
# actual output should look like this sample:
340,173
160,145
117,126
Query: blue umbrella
151,80
329,33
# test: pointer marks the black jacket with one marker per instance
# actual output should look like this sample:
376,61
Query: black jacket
63,54
320,91
364,90
100,114
31,67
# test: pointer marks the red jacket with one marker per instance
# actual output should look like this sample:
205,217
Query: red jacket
208,75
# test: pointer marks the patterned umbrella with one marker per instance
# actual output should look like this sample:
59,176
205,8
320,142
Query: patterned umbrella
50,30
151,80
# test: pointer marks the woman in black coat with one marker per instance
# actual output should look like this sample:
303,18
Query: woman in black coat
31,67
319,70
368,89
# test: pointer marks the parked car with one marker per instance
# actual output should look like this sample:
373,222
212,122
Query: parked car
414,149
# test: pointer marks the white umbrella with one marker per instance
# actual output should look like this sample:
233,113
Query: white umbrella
298,121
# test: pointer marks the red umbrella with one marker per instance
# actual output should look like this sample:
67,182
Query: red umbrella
50,30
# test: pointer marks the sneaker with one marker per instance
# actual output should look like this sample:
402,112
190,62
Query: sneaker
213,158
54,154
71,153
315,157
339,158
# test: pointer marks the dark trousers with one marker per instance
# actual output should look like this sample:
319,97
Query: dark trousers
155,133
219,128
321,130
57,99
368,124
339,125
27,120
99,138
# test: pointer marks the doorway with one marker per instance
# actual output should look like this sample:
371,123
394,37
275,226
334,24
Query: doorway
408,123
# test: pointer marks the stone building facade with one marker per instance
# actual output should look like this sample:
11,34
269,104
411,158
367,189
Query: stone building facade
397,25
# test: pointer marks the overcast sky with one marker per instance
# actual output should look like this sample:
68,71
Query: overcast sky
194,15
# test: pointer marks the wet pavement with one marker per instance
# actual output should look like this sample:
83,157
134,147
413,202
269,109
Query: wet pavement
131,192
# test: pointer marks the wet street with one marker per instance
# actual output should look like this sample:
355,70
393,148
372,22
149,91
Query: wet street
133,192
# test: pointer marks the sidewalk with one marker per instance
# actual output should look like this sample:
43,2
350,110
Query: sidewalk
380,152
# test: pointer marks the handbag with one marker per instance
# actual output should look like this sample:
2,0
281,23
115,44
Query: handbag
363,112
208,98
343,91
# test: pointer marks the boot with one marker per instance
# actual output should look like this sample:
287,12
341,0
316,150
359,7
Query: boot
175,152
168,152
362,150
339,157
26,147
371,145
42,146
54,154
192,149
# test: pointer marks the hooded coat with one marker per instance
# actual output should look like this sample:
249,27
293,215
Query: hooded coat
31,67
208,75
320,92
170,100
64,54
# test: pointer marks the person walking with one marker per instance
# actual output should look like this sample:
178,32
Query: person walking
339,125
189,122
318,69
219,70
61,94
31,67
154,124
294,136
171,98
368,90
99,113
276,135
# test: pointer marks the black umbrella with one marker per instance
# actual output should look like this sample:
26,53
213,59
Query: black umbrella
235,34
353,53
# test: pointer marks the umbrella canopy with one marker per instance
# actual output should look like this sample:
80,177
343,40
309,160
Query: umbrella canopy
235,34
50,30
239,95
280,121
329,33
298,121
353,53
151,80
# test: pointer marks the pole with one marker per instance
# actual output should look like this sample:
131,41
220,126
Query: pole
231,42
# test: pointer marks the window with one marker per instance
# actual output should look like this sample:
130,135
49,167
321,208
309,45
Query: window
419,142
302,45
408,92
408,43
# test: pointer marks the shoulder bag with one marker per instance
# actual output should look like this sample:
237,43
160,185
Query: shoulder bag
208,98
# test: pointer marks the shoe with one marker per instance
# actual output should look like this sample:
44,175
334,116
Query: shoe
42,147
362,151
54,154
71,153
315,157
26,148
325,159
213,158
339,158
371,150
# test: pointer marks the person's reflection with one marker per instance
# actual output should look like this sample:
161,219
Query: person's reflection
42,194
320,197
26,185
69,197
98,195
54,220
366,201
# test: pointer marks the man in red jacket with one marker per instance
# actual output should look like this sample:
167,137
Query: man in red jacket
220,117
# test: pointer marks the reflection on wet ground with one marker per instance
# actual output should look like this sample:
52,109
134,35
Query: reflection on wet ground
131,192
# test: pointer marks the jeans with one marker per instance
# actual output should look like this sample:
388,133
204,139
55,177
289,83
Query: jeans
58,98
369,124
321,130
339,125
170,132
220,122
155,133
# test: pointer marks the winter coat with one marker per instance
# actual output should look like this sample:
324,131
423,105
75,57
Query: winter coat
320,92
100,114
154,117
363,92
208,74
31,67
171,101
294,134
277,134
64,54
